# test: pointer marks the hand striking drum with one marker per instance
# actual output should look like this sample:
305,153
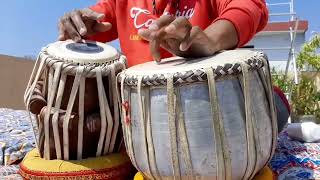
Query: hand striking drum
72,90
208,118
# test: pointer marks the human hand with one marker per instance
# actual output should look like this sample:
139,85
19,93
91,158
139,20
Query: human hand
179,37
78,24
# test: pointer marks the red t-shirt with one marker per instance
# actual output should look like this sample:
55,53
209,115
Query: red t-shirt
127,17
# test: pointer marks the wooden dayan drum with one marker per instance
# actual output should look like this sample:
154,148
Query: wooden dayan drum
208,118
72,91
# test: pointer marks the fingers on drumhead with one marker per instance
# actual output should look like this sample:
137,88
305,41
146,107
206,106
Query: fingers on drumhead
70,29
72,25
78,22
155,50
187,42
145,34
161,22
102,27
62,33
91,14
178,24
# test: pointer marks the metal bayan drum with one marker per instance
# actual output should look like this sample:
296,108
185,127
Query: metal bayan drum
72,90
208,118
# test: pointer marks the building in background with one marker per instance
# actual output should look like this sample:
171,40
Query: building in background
283,37
275,41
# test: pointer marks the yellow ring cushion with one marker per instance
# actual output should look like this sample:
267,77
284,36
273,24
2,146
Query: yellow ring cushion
113,166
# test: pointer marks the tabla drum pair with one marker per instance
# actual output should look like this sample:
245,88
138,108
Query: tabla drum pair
72,92
207,118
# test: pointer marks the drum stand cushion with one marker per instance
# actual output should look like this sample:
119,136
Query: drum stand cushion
113,166
264,174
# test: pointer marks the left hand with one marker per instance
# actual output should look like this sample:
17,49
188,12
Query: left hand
179,37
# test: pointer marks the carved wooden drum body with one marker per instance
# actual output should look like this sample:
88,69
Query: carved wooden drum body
209,118
72,90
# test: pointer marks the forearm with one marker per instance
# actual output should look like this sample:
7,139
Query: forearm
247,16
223,35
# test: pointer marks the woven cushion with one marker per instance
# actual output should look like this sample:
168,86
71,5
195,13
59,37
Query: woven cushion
113,166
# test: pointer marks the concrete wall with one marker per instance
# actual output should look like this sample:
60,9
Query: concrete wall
14,76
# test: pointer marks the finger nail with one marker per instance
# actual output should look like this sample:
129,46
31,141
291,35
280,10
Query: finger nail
61,37
82,32
170,29
100,16
157,57
157,60
183,46
153,27
76,39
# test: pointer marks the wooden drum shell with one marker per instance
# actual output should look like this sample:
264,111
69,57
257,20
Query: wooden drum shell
79,115
177,133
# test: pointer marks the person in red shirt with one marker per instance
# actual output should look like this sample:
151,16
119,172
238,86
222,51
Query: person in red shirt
192,28
187,28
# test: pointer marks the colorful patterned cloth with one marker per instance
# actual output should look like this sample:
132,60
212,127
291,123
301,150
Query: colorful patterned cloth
16,136
10,172
296,160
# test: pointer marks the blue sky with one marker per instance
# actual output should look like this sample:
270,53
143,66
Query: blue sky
28,25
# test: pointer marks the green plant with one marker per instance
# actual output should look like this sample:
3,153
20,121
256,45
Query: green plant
279,80
308,55
305,98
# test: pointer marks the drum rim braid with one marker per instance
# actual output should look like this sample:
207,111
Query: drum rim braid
196,75
70,68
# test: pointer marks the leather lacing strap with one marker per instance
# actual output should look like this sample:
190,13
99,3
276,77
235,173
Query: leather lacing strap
54,72
66,120
50,79
109,118
35,75
53,84
115,108
265,76
127,126
171,101
81,115
142,110
253,144
30,88
55,116
123,113
184,138
151,150
223,160
102,113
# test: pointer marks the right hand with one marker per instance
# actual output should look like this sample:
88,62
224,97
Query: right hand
79,24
